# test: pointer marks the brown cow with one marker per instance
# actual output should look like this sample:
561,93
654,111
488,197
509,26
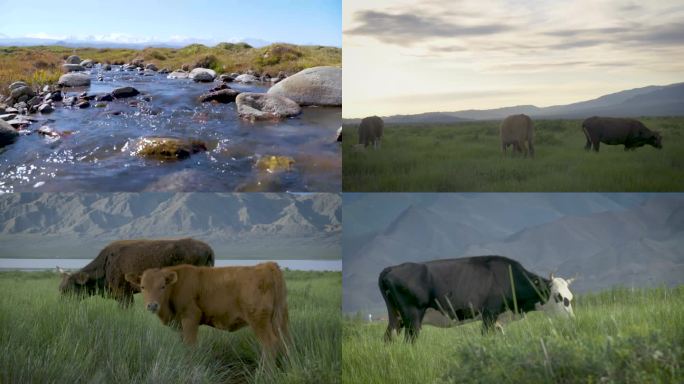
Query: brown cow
225,298
517,130
106,273
370,131
615,131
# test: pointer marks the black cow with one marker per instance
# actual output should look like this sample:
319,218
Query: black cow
464,288
615,131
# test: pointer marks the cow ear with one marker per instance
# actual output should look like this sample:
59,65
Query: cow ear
81,278
171,278
134,279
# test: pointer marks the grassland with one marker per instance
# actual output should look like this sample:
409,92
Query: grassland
42,64
48,339
618,336
467,157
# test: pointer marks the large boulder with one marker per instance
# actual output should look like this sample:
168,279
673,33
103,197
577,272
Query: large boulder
246,78
72,68
312,86
88,63
224,96
20,93
177,75
8,135
17,84
202,74
73,59
74,80
168,148
124,92
262,106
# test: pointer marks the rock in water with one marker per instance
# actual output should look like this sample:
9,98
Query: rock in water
87,63
272,164
74,80
8,135
124,92
202,75
83,104
226,78
262,106
72,68
177,75
246,78
224,96
312,86
73,59
168,148
45,108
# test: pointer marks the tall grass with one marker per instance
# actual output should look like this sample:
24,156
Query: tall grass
22,63
467,157
618,336
48,339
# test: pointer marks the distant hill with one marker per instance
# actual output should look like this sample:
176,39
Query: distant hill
605,240
104,43
235,225
653,100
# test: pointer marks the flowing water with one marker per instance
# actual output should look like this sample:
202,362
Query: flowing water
97,153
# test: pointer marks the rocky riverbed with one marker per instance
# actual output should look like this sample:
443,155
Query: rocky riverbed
134,127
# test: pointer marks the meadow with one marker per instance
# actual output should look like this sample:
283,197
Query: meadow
618,336
45,338
41,65
467,157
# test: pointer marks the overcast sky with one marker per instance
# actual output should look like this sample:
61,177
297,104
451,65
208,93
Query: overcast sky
406,57
292,21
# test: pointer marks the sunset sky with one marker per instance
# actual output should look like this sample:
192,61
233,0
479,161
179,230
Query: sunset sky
407,57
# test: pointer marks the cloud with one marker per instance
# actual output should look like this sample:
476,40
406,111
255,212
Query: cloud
408,28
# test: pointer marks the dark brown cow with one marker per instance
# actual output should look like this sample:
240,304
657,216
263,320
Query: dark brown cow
614,131
370,131
106,273
225,298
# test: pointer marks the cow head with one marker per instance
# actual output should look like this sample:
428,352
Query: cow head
78,283
154,284
560,297
656,140
652,138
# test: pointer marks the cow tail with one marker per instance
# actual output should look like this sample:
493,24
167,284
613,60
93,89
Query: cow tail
210,259
280,317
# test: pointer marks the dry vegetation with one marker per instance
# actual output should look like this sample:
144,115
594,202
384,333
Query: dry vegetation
42,64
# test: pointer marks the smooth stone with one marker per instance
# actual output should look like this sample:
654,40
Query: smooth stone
88,63
8,116
246,78
224,96
263,106
17,84
177,75
45,108
73,59
124,92
151,67
105,97
83,104
312,86
168,148
202,75
226,78
72,68
8,135
106,67
74,80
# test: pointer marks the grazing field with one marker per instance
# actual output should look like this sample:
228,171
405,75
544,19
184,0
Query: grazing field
48,339
618,336
42,64
467,157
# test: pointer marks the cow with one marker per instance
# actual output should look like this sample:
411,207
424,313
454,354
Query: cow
466,288
615,131
227,298
518,131
370,131
105,275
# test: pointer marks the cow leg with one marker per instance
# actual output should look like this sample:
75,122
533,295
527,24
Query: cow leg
190,325
414,319
488,321
531,148
267,338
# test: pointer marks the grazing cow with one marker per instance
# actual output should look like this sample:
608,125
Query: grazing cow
466,288
370,131
225,298
106,273
615,131
518,130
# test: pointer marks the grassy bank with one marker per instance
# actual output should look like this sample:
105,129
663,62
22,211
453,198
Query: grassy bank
619,336
42,65
47,339
468,157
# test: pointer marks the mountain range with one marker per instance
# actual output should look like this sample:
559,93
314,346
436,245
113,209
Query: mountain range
604,239
294,226
116,41
667,100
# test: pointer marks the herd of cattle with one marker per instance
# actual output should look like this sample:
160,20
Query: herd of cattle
517,131
180,285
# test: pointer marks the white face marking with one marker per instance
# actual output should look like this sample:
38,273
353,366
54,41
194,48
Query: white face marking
560,300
